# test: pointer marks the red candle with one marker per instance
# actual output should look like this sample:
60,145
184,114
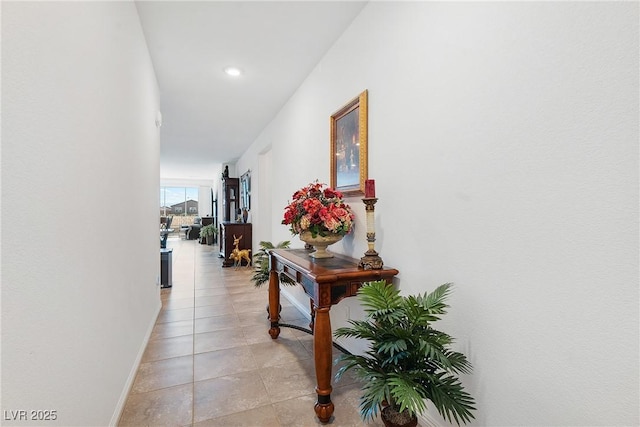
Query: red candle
370,188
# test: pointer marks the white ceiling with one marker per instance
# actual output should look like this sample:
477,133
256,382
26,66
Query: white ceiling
209,118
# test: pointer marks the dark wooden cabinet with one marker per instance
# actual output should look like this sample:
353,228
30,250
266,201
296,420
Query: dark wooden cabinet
227,231
230,198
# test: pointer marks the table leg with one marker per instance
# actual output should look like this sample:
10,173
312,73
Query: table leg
274,304
312,313
322,351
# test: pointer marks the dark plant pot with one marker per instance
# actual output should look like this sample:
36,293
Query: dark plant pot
392,418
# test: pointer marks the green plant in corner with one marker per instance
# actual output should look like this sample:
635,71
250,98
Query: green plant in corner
408,361
208,231
261,264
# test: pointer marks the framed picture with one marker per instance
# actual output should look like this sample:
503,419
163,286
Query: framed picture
245,190
349,147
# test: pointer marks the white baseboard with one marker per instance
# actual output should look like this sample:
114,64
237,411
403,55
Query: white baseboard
304,309
134,370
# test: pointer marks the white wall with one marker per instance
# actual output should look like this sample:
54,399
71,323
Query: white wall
80,158
204,201
263,204
503,138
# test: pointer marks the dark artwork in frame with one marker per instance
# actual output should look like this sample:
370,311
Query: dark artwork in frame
349,147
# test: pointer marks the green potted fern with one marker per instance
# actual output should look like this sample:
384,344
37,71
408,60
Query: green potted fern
261,264
408,362
207,233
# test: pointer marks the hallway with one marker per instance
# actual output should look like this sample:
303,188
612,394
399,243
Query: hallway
211,362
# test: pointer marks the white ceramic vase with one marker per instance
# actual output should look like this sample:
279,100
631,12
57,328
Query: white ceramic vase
320,243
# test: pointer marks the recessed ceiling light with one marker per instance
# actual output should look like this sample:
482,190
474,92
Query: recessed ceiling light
233,71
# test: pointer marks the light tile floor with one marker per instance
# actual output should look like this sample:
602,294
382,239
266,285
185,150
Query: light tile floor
211,362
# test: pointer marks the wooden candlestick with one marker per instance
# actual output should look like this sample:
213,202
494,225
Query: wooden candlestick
370,260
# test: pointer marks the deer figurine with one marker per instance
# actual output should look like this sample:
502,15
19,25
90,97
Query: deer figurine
238,255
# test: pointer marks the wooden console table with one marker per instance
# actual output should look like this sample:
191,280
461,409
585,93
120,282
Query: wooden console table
327,281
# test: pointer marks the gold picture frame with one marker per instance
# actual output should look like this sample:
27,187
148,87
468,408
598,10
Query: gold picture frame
349,146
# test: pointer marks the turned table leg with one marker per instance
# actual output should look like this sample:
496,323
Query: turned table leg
274,304
312,312
322,354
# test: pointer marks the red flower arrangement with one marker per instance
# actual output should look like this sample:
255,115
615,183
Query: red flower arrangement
318,209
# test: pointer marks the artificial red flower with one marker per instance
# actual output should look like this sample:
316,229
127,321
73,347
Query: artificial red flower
318,209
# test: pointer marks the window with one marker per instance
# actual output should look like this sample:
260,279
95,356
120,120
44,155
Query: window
178,201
